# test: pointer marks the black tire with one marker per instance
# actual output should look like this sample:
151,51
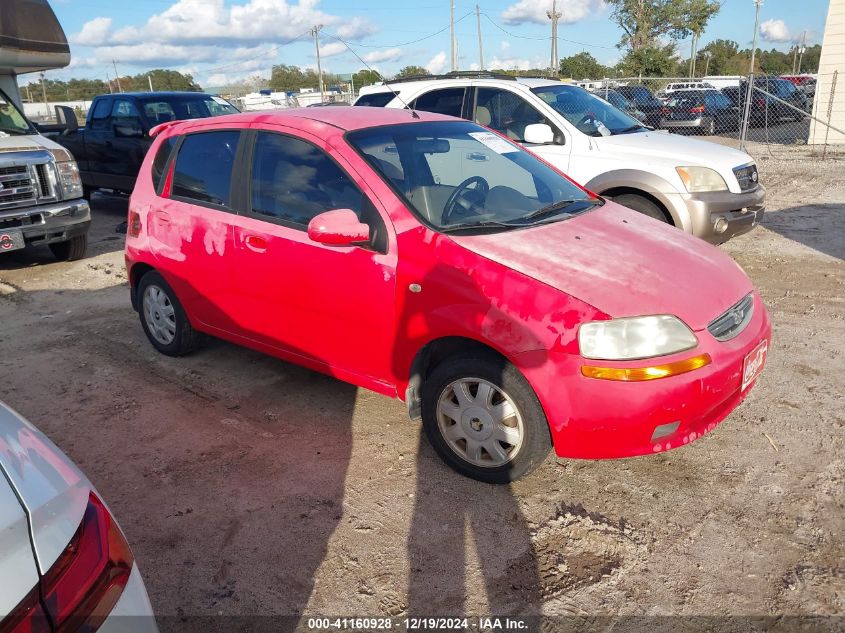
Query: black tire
185,338
642,205
710,128
536,438
87,192
70,250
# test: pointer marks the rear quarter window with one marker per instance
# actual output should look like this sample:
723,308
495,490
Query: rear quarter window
375,99
203,171
160,161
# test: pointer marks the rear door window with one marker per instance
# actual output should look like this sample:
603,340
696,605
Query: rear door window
160,161
203,171
445,101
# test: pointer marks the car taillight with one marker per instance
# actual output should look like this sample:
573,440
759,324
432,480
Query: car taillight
697,109
759,103
665,110
84,584
27,617
134,224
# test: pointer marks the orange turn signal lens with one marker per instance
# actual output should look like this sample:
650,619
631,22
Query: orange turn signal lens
638,374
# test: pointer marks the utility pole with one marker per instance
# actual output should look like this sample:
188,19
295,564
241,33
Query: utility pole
28,93
554,15
315,32
707,56
480,45
452,35
150,80
44,93
801,51
750,87
116,76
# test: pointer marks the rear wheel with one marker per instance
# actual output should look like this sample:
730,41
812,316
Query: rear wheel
484,419
87,192
71,249
641,204
163,319
710,128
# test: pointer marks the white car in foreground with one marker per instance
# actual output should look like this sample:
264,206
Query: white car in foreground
703,188
64,562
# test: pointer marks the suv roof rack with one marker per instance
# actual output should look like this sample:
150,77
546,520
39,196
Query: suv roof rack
457,74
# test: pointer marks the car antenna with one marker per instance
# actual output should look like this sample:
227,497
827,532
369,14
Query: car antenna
383,80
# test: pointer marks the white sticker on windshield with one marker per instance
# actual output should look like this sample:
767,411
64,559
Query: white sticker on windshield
220,100
494,142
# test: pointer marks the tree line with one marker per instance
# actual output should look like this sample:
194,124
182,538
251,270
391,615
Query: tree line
87,89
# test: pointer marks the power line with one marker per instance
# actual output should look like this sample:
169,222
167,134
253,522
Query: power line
546,38
421,39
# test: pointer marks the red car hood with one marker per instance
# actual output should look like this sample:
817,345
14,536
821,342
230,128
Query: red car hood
622,263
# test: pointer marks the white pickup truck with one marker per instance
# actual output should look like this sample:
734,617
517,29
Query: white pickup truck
40,189
704,188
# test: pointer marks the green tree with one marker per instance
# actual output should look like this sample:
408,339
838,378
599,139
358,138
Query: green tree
163,80
651,61
366,77
410,71
643,22
583,66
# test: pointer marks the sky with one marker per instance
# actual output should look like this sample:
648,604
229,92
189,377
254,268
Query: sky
223,41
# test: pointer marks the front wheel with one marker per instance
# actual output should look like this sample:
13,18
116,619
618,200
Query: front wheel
641,204
484,419
70,250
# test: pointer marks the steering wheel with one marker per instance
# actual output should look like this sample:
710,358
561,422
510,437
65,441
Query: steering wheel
481,185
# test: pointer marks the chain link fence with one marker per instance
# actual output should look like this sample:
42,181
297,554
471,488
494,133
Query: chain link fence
801,119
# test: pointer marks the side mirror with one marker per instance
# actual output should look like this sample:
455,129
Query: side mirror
67,117
340,227
128,131
539,134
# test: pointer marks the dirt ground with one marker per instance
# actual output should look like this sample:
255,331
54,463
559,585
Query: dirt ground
250,486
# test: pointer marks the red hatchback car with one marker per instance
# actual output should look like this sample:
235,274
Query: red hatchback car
429,259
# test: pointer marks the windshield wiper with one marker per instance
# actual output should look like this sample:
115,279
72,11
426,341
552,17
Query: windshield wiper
628,130
557,206
490,224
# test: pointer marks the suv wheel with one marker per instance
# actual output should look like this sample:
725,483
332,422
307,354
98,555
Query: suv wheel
641,204
483,419
163,319
70,250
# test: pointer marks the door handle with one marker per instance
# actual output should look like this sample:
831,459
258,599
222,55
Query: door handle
256,243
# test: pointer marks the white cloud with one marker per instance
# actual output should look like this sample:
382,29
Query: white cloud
535,11
437,64
93,33
505,45
775,31
516,63
208,22
388,55
332,49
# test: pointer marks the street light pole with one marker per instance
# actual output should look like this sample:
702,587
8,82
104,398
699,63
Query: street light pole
554,61
480,44
452,34
750,87
801,51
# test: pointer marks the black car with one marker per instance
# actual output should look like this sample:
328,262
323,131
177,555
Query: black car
617,100
773,100
645,101
701,111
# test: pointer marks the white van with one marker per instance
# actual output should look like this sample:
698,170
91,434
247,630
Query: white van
706,189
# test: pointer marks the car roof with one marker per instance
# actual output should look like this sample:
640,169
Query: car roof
347,119
530,82
163,93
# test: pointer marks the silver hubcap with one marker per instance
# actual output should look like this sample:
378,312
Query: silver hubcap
480,422
159,315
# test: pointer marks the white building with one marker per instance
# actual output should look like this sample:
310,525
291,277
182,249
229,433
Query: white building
830,82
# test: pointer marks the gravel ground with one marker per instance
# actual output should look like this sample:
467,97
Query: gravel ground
250,486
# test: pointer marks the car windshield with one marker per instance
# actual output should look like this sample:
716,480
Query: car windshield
176,108
588,113
459,176
11,119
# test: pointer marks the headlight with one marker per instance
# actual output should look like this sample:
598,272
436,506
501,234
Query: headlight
635,337
69,179
697,179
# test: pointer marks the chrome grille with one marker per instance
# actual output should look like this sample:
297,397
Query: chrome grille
16,186
733,321
43,180
746,176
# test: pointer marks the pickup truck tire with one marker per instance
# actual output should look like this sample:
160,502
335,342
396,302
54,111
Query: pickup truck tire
72,249
501,432
641,204
163,318
87,192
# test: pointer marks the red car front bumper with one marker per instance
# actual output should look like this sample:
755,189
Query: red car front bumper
591,418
